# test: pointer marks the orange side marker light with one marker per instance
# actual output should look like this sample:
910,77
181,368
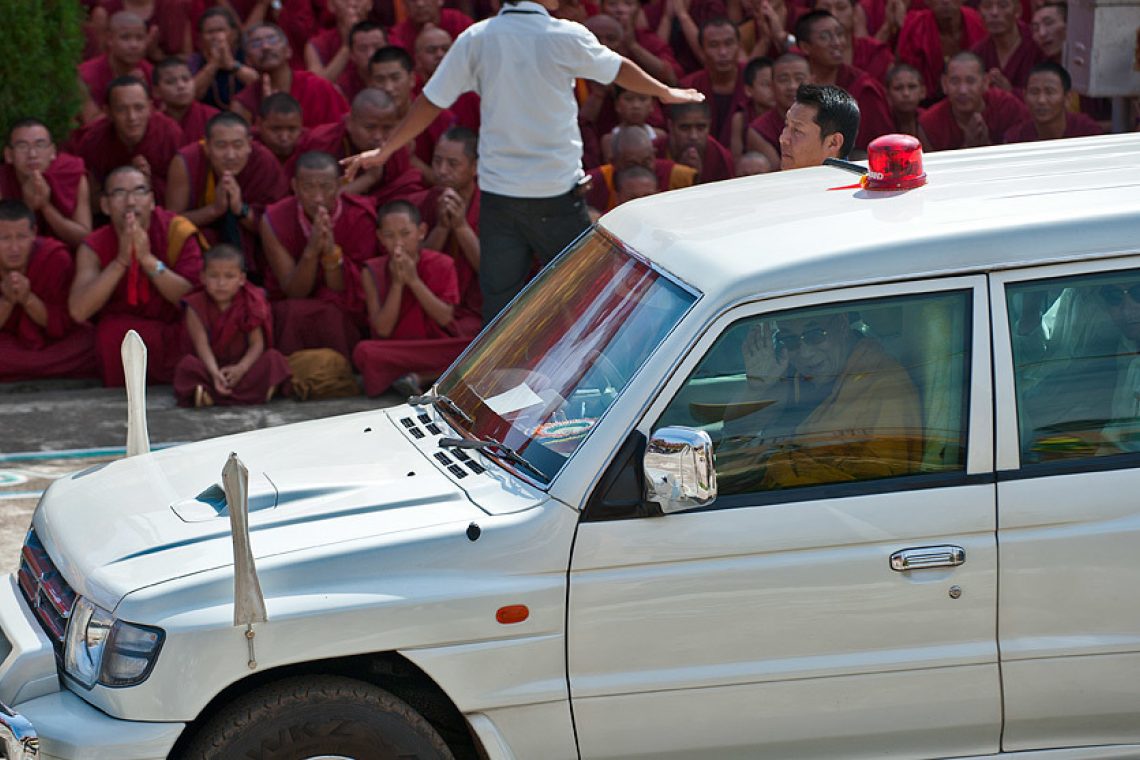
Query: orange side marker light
512,613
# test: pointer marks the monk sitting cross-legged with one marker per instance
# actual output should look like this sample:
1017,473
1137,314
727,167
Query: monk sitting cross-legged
37,336
411,295
231,330
132,273
316,242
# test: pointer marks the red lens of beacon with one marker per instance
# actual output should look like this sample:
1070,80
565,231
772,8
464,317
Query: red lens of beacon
895,163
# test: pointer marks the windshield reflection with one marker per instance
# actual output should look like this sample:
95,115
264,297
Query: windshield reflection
540,378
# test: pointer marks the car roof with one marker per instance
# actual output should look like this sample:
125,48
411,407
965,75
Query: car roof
981,209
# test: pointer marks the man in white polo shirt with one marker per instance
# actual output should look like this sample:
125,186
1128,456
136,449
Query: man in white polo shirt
522,63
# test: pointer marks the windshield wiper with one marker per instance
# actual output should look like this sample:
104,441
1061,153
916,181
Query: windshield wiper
445,402
505,451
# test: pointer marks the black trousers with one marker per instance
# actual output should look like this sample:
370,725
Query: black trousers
513,232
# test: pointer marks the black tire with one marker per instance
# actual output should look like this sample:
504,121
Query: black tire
301,718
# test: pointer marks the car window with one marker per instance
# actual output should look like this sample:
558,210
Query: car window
1076,365
860,390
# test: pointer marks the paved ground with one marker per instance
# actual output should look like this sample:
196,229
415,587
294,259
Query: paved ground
51,428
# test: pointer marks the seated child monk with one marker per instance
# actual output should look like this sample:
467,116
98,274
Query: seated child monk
279,126
633,110
230,327
758,84
174,94
37,336
411,295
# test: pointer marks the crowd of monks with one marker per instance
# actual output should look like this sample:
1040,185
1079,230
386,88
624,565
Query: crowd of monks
199,199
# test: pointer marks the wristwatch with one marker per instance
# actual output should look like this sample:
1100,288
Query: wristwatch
245,211
159,268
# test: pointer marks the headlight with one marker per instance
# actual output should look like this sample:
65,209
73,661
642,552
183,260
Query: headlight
108,651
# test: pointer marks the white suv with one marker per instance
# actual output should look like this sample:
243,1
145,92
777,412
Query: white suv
771,467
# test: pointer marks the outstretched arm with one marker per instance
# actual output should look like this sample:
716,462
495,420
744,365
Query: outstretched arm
632,77
419,117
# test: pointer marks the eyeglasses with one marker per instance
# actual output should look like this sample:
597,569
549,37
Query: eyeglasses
121,193
1113,295
26,147
791,342
260,42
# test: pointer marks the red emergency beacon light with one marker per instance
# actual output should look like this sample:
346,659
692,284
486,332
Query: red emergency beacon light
894,162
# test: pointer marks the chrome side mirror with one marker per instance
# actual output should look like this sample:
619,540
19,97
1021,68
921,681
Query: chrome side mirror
679,469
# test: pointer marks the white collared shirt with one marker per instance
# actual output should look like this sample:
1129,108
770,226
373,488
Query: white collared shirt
523,64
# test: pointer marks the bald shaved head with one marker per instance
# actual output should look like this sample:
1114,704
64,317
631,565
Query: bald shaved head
632,146
126,20
371,100
606,28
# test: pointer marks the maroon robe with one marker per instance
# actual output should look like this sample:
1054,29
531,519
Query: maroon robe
404,33
1076,125
426,140
62,176
327,43
327,318
399,180
872,56
321,102
417,343
716,163
769,125
193,122
103,151
156,320
469,311
920,45
262,182
349,82
1002,112
228,332
1020,63
721,107
97,74
60,348
169,17
649,40
701,11
874,112
603,195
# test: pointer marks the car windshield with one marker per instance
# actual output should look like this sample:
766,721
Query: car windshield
540,378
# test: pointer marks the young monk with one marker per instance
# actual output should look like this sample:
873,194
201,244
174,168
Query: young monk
763,136
316,242
929,37
451,212
132,273
391,69
230,328
411,293
125,56
633,110
721,79
864,53
279,127
224,183
905,93
54,185
37,336
634,182
174,92
689,143
761,99
133,133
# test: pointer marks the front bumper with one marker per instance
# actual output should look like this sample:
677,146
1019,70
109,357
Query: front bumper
17,736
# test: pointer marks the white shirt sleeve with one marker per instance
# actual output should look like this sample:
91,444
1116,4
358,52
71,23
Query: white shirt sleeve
586,57
454,76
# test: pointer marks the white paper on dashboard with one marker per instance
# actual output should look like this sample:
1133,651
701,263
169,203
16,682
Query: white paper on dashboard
519,397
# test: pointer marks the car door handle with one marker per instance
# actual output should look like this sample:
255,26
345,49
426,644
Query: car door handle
923,557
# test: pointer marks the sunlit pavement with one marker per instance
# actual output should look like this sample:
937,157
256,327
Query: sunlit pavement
52,428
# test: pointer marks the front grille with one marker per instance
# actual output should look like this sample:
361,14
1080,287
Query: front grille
45,590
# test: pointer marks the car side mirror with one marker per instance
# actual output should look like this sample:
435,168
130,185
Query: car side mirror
679,469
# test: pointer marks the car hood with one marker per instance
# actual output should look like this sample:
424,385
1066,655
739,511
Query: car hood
135,522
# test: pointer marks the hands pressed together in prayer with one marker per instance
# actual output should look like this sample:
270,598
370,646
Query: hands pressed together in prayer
451,210
15,288
36,191
976,132
133,243
402,268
